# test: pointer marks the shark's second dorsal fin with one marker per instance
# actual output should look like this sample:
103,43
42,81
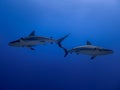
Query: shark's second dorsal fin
88,43
32,33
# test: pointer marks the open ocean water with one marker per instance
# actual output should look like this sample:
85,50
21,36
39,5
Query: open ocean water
46,68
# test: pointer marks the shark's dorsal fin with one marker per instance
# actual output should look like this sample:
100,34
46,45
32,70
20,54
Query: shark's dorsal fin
32,33
88,43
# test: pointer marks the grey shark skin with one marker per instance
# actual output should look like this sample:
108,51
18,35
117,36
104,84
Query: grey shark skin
33,40
88,49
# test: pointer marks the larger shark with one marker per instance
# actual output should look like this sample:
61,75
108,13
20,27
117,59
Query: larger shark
33,40
88,49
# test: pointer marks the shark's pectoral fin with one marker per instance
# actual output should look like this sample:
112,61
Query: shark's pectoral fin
31,48
51,42
93,56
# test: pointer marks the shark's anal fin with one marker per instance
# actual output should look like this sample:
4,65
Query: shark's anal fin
77,53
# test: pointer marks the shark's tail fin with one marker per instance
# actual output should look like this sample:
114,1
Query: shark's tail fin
66,51
60,40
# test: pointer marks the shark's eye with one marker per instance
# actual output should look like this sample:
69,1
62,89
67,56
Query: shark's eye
95,48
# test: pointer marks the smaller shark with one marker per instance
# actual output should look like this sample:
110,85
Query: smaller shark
33,40
88,49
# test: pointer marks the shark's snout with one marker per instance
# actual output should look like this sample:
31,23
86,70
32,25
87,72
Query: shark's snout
10,44
108,51
111,51
14,43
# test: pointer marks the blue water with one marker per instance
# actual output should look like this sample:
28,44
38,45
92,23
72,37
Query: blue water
45,68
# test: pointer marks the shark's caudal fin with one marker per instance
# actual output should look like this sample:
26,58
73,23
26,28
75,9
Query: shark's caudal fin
66,51
60,40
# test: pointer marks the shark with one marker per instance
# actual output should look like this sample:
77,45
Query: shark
33,40
88,49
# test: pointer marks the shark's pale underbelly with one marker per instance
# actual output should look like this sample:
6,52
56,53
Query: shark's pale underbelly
89,52
31,43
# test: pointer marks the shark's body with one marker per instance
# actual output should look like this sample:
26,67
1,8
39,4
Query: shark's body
89,49
33,40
